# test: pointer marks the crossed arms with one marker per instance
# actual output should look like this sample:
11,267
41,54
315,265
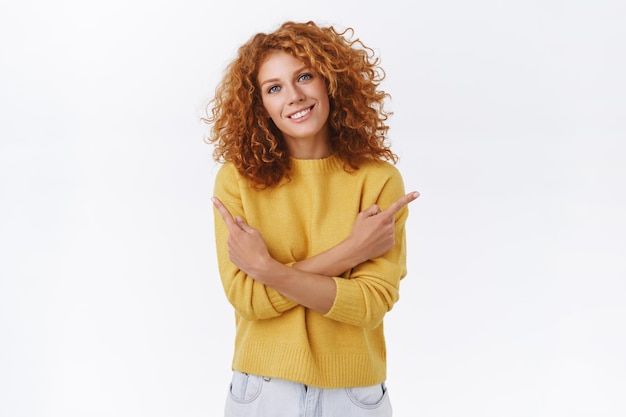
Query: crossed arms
311,282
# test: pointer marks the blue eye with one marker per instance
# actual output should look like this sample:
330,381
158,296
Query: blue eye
305,77
273,89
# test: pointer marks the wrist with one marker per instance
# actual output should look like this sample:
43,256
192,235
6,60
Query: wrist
265,269
350,253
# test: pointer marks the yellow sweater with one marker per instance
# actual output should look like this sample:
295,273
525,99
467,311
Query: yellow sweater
298,219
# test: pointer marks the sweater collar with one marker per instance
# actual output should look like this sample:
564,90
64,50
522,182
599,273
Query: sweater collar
315,166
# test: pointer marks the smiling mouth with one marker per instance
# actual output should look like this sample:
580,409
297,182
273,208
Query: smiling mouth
301,113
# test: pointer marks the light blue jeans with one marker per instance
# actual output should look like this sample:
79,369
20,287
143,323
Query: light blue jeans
257,396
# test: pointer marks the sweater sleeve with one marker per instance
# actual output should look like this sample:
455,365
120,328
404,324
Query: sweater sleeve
251,299
372,288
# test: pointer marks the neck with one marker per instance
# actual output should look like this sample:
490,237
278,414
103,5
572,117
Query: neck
316,147
309,152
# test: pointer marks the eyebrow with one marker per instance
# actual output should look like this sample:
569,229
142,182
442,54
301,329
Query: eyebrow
273,80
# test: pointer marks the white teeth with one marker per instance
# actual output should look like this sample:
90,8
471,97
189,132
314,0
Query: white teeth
300,114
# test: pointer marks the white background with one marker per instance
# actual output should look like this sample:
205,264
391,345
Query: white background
509,119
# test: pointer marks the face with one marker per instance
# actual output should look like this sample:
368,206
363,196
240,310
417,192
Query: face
296,99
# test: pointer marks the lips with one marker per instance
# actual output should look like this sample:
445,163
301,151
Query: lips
300,113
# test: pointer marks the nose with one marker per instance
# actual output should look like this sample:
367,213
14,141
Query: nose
295,95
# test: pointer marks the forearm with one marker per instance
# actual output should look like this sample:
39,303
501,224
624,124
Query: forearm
332,262
311,290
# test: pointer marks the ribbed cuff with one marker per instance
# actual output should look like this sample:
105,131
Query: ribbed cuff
349,303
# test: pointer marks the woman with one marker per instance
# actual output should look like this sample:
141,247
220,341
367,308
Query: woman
310,221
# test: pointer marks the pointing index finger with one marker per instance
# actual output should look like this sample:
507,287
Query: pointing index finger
399,203
226,216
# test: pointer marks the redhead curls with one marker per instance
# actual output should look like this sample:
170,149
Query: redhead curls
244,135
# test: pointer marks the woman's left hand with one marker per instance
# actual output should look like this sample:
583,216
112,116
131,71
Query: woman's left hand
246,246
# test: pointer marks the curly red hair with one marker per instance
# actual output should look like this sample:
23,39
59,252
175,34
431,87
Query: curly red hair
244,135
